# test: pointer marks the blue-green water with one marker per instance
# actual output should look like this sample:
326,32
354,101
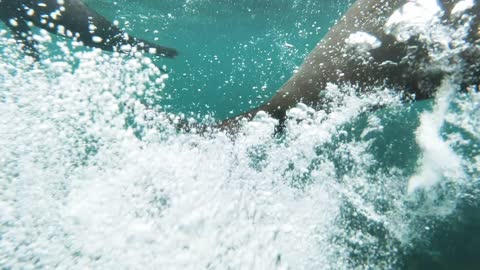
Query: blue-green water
90,177
232,53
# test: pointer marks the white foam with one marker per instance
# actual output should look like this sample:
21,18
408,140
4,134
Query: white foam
461,7
438,160
362,42
413,18
165,200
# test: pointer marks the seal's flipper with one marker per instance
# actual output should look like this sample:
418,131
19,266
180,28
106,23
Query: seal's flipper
94,30
74,19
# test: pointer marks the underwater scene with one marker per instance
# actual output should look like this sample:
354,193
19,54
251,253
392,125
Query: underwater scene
96,172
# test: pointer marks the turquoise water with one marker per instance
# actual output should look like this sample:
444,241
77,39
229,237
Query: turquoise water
232,53
92,177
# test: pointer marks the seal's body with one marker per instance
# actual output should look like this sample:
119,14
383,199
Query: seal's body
390,62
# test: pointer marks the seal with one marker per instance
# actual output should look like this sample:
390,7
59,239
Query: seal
74,19
360,50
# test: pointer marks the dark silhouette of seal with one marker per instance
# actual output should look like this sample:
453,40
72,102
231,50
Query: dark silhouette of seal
393,63
74,19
